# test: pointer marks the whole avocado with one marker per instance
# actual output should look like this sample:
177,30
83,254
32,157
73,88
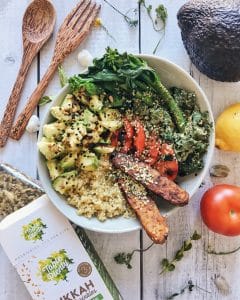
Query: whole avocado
211,35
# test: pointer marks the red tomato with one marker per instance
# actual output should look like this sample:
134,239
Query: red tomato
139,138
127,145
168,168
152,150
167,150
220,209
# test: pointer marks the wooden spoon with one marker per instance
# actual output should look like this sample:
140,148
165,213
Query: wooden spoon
38,23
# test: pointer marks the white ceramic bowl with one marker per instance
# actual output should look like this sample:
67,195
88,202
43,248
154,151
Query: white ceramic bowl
171,75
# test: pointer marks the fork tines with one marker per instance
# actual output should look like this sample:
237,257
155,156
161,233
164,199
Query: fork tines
85,9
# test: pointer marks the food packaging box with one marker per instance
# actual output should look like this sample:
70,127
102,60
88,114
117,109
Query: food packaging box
54,260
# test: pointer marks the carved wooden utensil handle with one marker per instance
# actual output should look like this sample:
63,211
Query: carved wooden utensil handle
9,114
22,121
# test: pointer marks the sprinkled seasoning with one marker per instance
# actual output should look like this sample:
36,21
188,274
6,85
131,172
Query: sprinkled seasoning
16,190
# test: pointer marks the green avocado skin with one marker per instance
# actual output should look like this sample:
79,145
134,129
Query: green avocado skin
211,35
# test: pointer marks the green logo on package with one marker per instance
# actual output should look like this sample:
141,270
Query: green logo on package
34,230
55,267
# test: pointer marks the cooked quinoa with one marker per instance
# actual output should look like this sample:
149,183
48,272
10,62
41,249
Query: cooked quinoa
98,195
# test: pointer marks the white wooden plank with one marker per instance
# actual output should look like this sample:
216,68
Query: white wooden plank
197,265
107,245
21,154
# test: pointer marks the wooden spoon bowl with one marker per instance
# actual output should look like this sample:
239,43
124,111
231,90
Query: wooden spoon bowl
38,21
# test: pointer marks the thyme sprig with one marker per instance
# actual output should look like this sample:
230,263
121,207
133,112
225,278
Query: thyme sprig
161,17
189,286
99,24
211,251
187,245
124,258
131,22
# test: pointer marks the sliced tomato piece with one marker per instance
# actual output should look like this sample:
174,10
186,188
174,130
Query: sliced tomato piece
127,145
129,132
128,128
139,138
167,149
168,168
152,148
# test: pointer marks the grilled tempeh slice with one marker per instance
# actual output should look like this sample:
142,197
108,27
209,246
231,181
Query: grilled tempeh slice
151,179
146,209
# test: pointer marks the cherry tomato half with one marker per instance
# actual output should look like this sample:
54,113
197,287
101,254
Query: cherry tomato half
168,168
129,132
139,138
152,149
220,209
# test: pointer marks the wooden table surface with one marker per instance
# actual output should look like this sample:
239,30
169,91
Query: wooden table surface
143,280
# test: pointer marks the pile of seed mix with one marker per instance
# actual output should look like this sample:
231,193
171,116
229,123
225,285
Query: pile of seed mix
15,194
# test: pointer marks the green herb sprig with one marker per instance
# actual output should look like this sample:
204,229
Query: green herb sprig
99,24
214,252
161,15
124,258
169,266
189,286
104,28
131,22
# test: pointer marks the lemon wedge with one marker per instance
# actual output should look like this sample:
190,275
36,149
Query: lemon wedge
228,129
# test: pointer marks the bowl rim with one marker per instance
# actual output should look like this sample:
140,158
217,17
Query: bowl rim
209,153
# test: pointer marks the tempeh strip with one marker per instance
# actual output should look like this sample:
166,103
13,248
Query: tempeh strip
147,211
151,179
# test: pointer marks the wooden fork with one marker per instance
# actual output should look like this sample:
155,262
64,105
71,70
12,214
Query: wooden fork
72,32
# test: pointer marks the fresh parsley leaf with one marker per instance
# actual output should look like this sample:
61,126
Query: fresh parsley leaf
44,100
124,258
